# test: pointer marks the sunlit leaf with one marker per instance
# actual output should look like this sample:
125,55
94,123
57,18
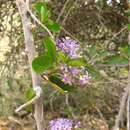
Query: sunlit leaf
40,6
42,11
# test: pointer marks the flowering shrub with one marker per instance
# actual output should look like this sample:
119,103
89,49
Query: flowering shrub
72,75
64,124
63,54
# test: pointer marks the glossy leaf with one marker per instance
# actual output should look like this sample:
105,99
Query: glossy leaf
50,47
40,6
43,12
42,63
60,85
55,27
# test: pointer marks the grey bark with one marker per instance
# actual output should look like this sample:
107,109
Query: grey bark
30,49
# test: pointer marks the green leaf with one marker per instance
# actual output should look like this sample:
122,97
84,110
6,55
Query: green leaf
103,53
115,60
42,63
61,57
128,26
50,47
47,16
43,14
42,11
55,27
60,85
10,82
126,50
93,72
76,62
40,6
92,51
30,94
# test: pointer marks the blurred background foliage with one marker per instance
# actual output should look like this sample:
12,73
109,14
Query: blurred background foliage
101,27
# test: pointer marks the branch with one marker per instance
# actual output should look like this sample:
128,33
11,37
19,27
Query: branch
62,11
32,101
71,35
38,21
30,49
124,100
69,107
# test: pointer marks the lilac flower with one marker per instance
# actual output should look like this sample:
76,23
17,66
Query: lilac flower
75,71
67,79
78,125
72,75
84,79
68,46
63,124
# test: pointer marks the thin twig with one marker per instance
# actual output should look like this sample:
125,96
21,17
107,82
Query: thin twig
62,11
38,21
116,34
71,35
102,117
67,14
30,102
69,107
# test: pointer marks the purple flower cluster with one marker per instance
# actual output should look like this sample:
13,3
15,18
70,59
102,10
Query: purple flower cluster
73,75
68,46
64,124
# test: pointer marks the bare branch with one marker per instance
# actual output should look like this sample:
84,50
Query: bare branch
30,49
36,19
32,101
